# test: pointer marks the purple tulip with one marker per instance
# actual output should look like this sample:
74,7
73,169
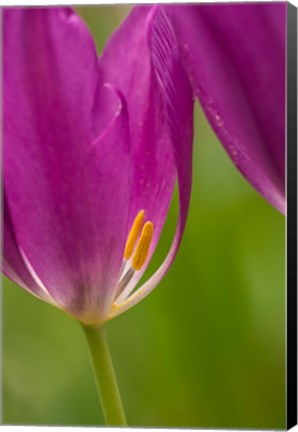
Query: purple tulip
92,150
235,55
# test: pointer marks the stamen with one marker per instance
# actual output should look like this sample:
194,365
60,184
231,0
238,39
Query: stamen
141,253
122,268
124,281
133,234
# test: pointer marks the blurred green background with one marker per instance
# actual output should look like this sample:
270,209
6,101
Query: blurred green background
205,349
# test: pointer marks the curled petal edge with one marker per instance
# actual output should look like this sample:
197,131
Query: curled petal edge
157,24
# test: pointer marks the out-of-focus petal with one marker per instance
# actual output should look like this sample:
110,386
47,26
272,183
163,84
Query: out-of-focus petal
235,57
126,63
67,187
174,86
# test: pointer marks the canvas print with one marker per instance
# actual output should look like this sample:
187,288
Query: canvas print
144,215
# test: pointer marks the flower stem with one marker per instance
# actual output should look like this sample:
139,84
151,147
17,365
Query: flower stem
105,376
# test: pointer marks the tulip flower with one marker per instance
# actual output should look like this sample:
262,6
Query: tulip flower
92,151
235,55
90,161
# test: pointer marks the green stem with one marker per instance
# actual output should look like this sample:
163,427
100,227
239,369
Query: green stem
105,376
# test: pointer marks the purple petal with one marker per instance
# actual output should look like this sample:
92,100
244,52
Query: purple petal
235,56
67,187
13,265
176,92
126,63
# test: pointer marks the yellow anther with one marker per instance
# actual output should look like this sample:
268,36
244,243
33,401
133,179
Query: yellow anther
141,253
133,234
